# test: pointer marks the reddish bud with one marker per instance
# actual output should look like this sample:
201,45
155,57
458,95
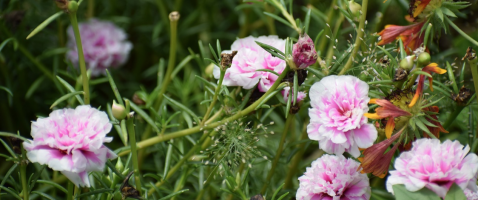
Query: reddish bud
303,52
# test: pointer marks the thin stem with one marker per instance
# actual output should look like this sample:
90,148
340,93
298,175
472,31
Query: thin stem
172,58
71,188
288,16
330,13
134,152
214,98
91,9
289,120
358,39
452,116
81,57
269,20
23,174
179,164
330,51
466,36
474,72
181,133
296,160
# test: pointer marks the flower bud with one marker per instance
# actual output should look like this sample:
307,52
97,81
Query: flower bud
355,9
424,59
72,6
407,63
209,70
119,111
303,52
119,165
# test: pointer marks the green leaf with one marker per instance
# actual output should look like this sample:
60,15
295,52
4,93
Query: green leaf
6,90
296,87
439,13
174,194
183,107
391,58
5,42
268,70
65,97
387,82
181,65
430,104
271,48
422,126
421,73
46,196
34,86
12,135
307,20
144,116
11,192
401,193
455,193
44,24
278,19
114,88
214,53
7,175
277,191
448,12
283,196
99,191
316,72
54,185
71,89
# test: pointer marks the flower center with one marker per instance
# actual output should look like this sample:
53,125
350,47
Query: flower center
64,152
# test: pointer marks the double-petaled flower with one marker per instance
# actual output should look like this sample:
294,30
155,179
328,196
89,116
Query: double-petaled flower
432,67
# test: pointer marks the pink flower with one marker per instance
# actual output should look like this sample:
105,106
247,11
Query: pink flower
436,166
333,177
71,141
300,95
251,57
337,118
471,195
104,46
303,52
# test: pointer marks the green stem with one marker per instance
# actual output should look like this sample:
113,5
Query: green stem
330,13
181,133
91,9
214,99
288,16
134,152
81,57
71,188
330,51
296,160
289,120
358,39
466,36
474,72
269,20
453,116
180,163
23,174
172,57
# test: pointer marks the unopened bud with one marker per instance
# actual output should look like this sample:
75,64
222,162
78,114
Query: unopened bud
209,70
424,59
118,110
355,9
407,63
174,16
303,52
72,6
119,165
226,59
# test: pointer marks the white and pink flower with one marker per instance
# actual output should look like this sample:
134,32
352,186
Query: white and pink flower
436,166
300,95
104,46
71,141
337,118
251,57
333,177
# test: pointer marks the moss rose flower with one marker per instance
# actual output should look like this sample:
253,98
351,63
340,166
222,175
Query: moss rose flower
251,57
104,46
436,166
71,141
337,118
333,177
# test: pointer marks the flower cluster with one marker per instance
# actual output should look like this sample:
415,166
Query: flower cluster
337,118
104,46
333,177
436,166
71,141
